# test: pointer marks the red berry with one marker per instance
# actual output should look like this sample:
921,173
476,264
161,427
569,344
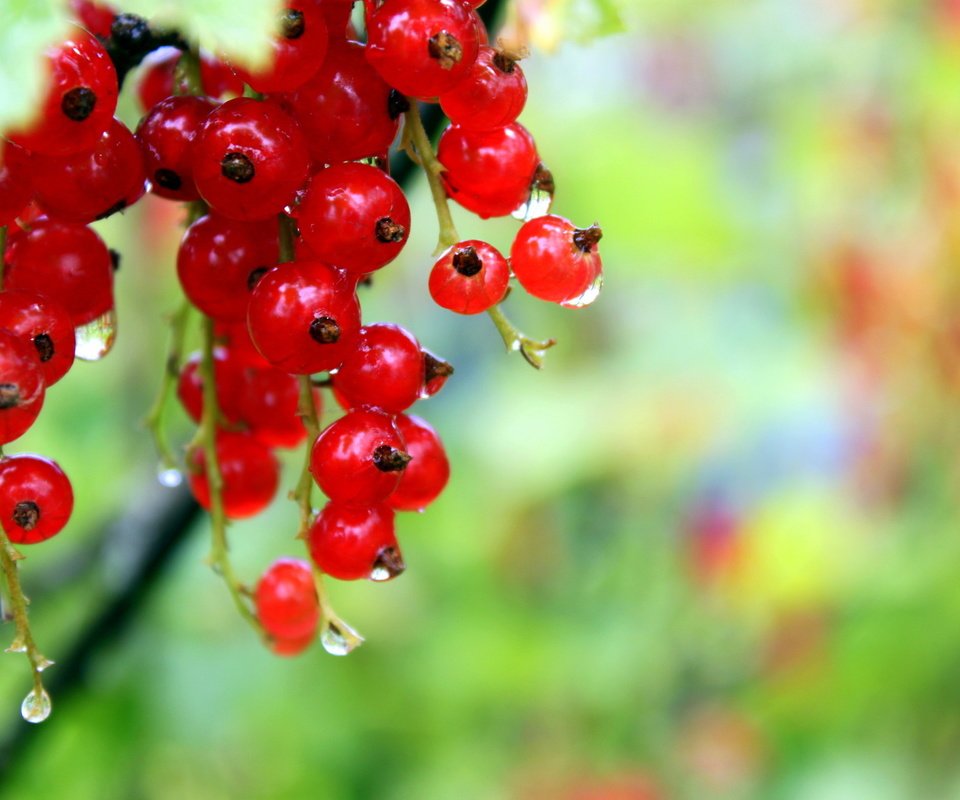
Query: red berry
236,338
303,317
249,159
292,647
286,600
488,172
95,17
16,182
91,184
45,325
66,262
345,109
354,216
166,137
221,260
36,498
469,277
492,93
353,542
422,47
556,261
229,376
428,471
250,475
337,15
269,405
383,369
359,458
158,71
21,386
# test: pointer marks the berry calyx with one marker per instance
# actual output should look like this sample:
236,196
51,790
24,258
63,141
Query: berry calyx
469,278
46,325
491,95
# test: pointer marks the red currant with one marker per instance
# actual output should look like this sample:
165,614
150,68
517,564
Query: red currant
491,95
46,325
384,369
95,17
250,475
16,181
469,277
158,73
286,600
269,404
352,542
36,498
21,386
428,471
229,376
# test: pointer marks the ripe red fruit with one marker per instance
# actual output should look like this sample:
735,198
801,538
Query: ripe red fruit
91,184
488,172
45,325
166,137
21,387
158,71
354,216
249,159
269,403
469,277
236,338
79,101
250,475
359,458
16,183
352,542
303,317
292,647
229,376
556,261
221,260
428,471
491,95
66,262
286,600
95,17
36,498
422,47
384,368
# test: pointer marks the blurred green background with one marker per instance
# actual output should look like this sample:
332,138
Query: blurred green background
711,551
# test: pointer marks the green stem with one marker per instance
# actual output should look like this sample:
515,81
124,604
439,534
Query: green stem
303,494
532,350
187,78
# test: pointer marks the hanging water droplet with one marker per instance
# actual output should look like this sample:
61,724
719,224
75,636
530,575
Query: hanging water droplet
96,338
388,565
339,639
540,199
17,646
45,663
170,477
36,708
591,293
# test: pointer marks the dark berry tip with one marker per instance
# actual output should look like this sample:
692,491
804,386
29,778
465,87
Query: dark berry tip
26,514
543,180
44,345
467,261
325,330
389,459
292,23
446,49
167,179
586,238
237,168
255,275
388,564
503,62
9,396
397,104
114,259
130,32
389,231
78,104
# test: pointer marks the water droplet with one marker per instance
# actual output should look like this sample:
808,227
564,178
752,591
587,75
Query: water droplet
339,639
170,477
540,199
36,708
388,565
95,339
45,663
17,646
587,296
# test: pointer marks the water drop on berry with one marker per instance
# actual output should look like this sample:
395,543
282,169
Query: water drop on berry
170,477
587,297
540,199
95,339
339,639
36,707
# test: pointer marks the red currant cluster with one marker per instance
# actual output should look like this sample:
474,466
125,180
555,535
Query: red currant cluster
291,208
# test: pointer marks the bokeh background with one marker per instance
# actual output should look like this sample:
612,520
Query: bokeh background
711,551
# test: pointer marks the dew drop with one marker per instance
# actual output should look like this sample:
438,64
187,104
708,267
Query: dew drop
586,297
170,477
339,639
540,199
96,338
36,708
17,646
45,663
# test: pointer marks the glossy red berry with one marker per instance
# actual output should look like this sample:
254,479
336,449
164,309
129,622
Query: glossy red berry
303,317
359,458
336,13
249,159
235,336
79,100
469,277
158,74
352,542
556,261
269,405
36,498
488,172
250,475
292,647
16,182
491,95
299,49
422,47
95,17
428,471
354,216
66,262
45,325
346,110
21,386
220,261
384,368
166,137
286,600
229,376
91,184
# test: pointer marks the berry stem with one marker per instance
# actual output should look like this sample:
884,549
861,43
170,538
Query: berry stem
302,495
187,78
23,641
533,351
